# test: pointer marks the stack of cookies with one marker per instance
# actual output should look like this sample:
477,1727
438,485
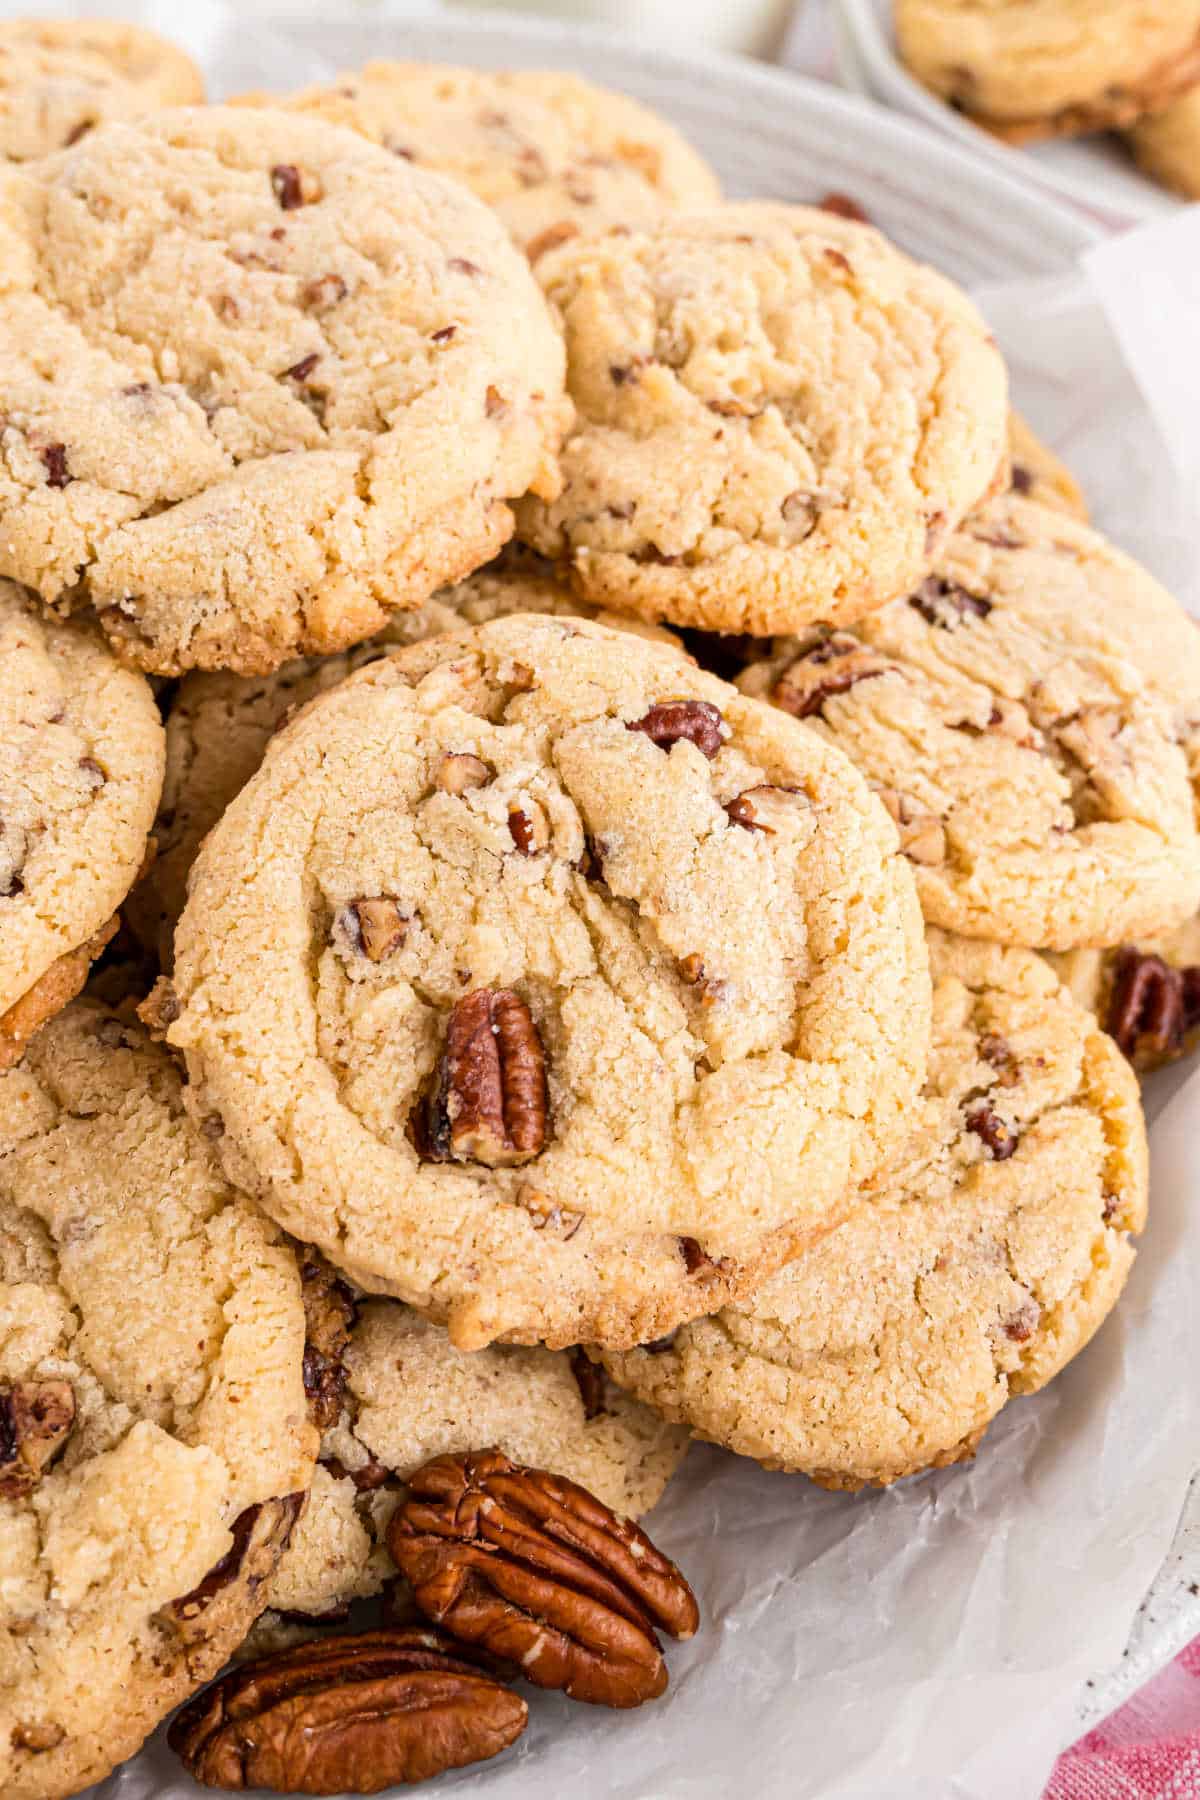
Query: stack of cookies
1031,69
589,842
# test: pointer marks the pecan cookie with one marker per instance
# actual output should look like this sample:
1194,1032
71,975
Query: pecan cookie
544,982
1051,68
81,767
973,1269
394,1392
1146,995
780,418
59,78
1039,474
220,724
552,154
1167,145
262,384
1013,714
154,1442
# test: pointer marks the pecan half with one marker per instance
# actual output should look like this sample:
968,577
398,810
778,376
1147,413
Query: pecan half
673,720
347,1714
765,808
260,1536
329,1315
35,1421
1152,1008
539,1572
54,457
287,186
922,834
833,666
987,1125
459,771
372,927
946,605
490,1103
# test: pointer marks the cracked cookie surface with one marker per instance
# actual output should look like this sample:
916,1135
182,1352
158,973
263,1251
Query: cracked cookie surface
1029,717
553,155
154,1439
220,724
262,385
544,982
59,78
972,1270
81,769
406,1395
1051,68
780,417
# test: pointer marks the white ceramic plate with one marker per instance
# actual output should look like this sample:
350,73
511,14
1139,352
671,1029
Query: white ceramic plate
1097,172
768,134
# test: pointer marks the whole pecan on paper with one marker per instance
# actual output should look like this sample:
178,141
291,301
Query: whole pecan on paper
351,1714
542,1574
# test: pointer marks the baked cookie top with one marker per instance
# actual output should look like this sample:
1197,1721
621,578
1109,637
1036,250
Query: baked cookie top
398,1393
1039,781
61,77
553,154
220,724
1036,68
972,1270
1167,144
152,1409
262,385
544,982
1039,474
81,768
780,418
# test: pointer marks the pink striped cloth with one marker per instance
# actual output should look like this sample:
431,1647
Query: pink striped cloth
1148,1750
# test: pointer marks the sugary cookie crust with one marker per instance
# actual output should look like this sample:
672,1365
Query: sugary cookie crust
219,725
409,1396
1044,68
81,769
262,385
552,154
59,78
972,1270
732,1014
1017,715
779,418
132,1276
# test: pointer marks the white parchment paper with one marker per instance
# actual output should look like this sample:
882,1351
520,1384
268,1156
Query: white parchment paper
932,1640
